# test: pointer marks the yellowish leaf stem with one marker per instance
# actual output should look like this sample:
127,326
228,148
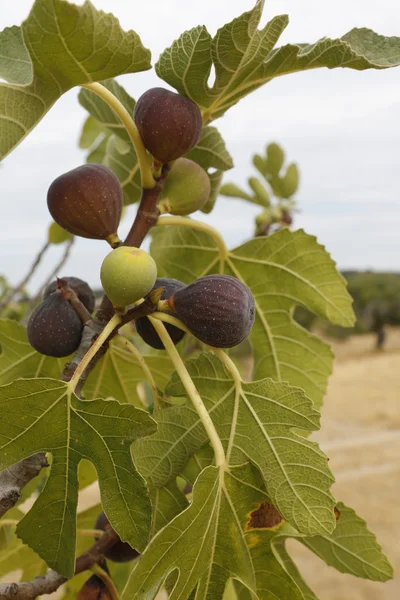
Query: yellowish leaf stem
106,579
191,391
148,181
146,371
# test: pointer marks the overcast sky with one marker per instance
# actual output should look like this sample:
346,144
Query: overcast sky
342,127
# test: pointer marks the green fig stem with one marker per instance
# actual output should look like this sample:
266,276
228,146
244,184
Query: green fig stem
199,226
95,347
5,522
106,579
146,371
113,240
90,532
163,306
192,392
148,181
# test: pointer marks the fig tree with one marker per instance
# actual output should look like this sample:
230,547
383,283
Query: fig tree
218,309
169,124
54,328
186,189
143,325
81,289
87,201
127,274
120,551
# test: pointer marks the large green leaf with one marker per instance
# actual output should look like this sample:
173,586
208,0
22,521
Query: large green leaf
41,416
206,545
352,548
69,45
15,62
210,151
282,270
245,58
256,422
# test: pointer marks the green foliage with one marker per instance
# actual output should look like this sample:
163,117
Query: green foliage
69,45
282,270
43,416
258,478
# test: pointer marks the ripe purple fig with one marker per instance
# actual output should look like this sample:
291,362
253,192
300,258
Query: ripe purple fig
54,328
218,309
87,201
146,330
120,551
81,289
169,124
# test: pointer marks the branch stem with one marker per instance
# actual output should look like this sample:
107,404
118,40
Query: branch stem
148,181
95,347
192,392
199,226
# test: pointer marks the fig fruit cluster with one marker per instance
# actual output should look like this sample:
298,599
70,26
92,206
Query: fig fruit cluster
121,551
146,330
54,327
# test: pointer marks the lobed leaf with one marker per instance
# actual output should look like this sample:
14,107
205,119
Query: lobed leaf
41,416
245,58
255,423
206,545
282,270
68,45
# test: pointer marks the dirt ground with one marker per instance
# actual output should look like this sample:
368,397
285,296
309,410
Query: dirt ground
361,435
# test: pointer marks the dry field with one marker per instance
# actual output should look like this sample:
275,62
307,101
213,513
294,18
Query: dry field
361,435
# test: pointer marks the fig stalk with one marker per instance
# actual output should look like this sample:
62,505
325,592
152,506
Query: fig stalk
148,181
191,389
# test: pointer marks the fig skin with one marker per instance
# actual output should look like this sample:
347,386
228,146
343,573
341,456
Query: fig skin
121,551
169,124
143,325
87,201
127,274
94,589
218,309
186,189
81,289
54,328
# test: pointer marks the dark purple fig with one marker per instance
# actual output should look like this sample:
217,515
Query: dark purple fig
54,328
81,289
286,217
120,551
218,309
87,201
94,589
146,330
169,124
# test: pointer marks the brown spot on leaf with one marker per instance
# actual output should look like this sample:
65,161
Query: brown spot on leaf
264,517
337,513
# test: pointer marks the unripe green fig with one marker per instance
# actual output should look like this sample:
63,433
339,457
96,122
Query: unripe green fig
87,201
218,309
120,551
186,189
54,328
81,289
143,325
127,274
169,124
